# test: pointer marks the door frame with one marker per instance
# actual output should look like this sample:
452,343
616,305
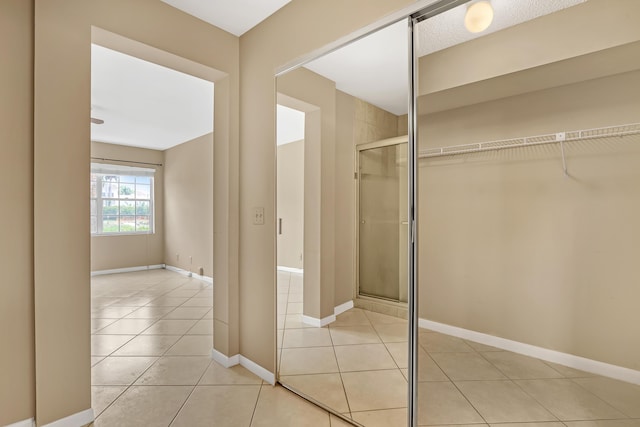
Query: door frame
356,234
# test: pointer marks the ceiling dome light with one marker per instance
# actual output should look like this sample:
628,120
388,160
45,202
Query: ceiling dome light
478,17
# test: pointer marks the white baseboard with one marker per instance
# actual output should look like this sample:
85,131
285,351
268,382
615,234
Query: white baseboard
76,420
570,360
127,270
318,323
238,359
189,274
24,423
343,307
291,269
258,370
224,360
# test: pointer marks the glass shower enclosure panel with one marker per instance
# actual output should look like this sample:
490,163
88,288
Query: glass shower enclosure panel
382,220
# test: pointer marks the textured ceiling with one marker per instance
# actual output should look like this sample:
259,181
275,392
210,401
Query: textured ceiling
145,104
447,29
375,68
234,16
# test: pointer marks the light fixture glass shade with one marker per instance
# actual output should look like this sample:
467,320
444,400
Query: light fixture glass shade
478,17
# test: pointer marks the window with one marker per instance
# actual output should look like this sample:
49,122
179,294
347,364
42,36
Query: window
121,199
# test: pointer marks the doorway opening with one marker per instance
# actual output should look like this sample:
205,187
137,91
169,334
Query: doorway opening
382,224
290,189
290,219
152,193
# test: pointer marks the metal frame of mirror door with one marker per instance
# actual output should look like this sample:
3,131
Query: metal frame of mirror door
435,8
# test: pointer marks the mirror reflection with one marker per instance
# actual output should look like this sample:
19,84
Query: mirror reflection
528,137
528,133
342,228
382,219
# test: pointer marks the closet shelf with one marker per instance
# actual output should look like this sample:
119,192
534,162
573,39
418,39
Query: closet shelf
575,135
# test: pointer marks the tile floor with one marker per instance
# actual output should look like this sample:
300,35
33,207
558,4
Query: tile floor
151,366
357,366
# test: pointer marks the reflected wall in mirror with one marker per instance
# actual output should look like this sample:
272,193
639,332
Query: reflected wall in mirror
342,328
528,231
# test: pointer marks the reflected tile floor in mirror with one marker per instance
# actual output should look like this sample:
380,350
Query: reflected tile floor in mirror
358,366
151,342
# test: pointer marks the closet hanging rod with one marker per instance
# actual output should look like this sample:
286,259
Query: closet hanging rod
575,135
126,161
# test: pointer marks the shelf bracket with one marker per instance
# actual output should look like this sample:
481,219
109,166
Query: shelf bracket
562,136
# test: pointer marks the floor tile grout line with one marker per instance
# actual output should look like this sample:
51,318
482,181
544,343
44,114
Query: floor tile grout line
142,290
483,355
344,387
255,407
457,388
332,347
127,387
176,385
538,401
284,327
191,393
113,401
281,344
395,408
597,397
571,379
469,401
557,419
387,349
491,363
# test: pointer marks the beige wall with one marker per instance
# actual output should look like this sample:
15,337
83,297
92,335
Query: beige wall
345,122
316,96
508,246
188,205
357,122
589,27
345,198
247,255
112,252
291,204
511,247
62,261
372,123
62,248
17,373
262,50
403,124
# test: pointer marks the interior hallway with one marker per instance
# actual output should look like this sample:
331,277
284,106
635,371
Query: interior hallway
151,342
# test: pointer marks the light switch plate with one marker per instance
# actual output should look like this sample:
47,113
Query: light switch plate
258,216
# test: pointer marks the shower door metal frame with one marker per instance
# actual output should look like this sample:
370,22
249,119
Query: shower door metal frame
398,140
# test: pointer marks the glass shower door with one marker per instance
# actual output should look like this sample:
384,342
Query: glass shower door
382,220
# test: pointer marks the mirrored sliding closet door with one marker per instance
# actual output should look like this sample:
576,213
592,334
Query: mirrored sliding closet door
528,177
468,257
342,228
